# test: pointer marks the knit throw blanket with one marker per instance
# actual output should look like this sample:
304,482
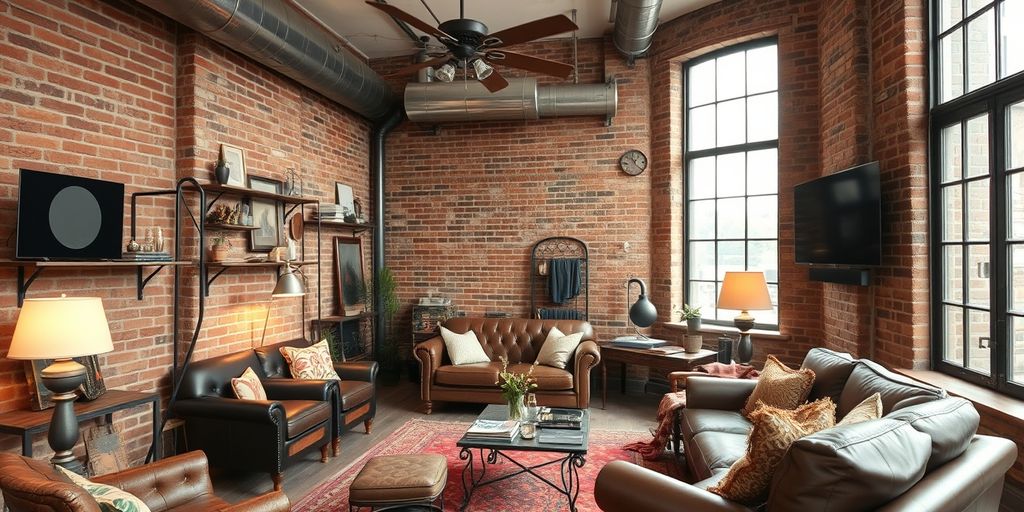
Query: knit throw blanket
672,402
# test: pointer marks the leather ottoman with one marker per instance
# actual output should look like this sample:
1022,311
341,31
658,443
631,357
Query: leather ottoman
399,480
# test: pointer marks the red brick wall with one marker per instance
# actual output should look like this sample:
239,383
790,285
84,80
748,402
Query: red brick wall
111,90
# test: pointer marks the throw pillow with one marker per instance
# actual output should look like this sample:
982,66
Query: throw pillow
869,409
248,386
780,386
558,348
463,348
311,363
773,431
109,498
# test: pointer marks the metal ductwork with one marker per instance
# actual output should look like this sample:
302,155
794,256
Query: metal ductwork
522,100
635,23
277,35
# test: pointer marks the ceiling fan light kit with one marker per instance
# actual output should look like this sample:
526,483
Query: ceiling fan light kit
445,72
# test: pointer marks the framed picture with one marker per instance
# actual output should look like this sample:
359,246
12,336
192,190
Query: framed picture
235,158
348,267
344,198
268,216
41,398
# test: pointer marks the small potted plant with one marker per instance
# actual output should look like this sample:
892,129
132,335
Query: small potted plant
694,341
514,386
219,248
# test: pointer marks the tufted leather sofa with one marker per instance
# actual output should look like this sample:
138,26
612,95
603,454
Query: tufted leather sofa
519,340
174,484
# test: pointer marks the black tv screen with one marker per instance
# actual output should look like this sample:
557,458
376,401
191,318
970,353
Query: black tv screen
838,218
68,217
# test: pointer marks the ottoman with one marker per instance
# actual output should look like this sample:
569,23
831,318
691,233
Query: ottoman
399,480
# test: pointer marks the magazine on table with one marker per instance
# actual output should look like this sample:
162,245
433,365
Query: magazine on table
493,429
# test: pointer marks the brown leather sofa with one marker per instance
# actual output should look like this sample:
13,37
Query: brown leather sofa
299,416
922,455
177,483
519,340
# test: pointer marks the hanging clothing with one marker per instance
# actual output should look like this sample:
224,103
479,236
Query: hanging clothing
564,279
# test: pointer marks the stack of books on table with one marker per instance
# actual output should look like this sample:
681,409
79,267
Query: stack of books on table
146,256
493,429
637,342
331,212
560,437
553,417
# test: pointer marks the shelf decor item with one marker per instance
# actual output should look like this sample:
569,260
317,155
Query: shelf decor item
744,291
515,386
81,331
692,317
234,160
220,247
268,216
221,171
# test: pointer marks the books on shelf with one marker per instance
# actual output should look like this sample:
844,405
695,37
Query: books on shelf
637,342
559,418
146,256
560,437
493,429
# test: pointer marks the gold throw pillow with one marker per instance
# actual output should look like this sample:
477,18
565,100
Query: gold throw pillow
773,431
780,386
869,409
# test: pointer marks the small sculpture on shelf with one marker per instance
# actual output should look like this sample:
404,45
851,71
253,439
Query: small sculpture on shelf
221,171
133,246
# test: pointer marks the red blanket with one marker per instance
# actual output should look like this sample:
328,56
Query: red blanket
672,402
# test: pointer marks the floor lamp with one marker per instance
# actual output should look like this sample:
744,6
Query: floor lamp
744,291
288,285
60,329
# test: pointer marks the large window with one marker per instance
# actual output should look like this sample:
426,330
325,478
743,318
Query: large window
977,176
731,174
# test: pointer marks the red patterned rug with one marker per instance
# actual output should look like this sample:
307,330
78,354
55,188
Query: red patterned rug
520,493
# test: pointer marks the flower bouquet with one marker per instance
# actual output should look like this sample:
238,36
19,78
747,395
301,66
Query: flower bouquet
514,386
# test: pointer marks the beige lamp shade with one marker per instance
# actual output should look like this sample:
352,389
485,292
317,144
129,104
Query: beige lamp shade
60,328
744,291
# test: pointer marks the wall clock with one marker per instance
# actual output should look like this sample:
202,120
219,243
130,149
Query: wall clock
633,162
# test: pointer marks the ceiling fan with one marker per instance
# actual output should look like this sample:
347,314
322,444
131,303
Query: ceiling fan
467,44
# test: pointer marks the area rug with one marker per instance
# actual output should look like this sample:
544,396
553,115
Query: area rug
522,493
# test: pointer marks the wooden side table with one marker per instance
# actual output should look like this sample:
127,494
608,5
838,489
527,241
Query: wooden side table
675,362
28,423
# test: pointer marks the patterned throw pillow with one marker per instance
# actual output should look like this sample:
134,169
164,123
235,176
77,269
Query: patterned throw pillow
558,348
310,363
463,348
248,386
780,386
869,409
773,431
109,498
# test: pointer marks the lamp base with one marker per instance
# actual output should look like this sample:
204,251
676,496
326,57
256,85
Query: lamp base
63,378
745,348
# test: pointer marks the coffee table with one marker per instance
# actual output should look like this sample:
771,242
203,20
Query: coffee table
571,457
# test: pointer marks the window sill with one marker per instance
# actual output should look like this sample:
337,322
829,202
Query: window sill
758,334
987,400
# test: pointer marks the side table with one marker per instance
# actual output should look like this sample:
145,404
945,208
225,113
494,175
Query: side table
674,362
29,423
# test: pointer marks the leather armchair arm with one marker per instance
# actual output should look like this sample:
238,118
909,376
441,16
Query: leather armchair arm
625,487
299,389
271,502
167,483
365,371
704,392
588,355
677,380
230,409
430,353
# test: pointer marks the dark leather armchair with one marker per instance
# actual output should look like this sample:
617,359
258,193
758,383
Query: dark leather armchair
254,435
174,484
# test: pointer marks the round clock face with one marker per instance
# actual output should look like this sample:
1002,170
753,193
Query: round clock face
633,162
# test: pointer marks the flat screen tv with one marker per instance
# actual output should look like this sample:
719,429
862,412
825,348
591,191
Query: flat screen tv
838,218
68,217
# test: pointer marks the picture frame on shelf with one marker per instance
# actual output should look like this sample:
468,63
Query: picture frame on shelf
344,197
235,158
348,270
41,398
267,214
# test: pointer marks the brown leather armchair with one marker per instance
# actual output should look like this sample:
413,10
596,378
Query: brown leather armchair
519,340
174,484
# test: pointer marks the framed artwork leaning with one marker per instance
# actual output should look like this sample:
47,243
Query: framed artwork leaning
348,271
41,398
234,157
268,216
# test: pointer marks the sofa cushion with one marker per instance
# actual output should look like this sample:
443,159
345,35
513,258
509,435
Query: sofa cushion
950,423
395,479
303,415
354,392
773,431
272,360
868,378
695,421
869,409
716,450
711,481
780,386
108,497
856,467
476,375
558,348
463,348
831,370
548,378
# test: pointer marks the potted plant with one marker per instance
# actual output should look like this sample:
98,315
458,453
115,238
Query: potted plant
220,247
385,288
694,340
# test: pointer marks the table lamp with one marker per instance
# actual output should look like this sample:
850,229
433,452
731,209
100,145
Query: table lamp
60,329
744,291
641,314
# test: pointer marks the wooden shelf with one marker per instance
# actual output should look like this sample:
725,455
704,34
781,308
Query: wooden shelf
240,263
90,264
219,189
338,318
355,227
230,227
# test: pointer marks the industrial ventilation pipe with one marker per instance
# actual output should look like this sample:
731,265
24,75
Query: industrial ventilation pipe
635,23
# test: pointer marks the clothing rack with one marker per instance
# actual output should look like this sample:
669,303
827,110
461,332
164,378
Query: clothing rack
540,261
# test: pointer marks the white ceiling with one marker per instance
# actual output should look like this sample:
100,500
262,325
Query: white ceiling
376,35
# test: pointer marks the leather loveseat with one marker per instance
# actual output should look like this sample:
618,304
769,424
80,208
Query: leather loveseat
519,340
298,416
922,455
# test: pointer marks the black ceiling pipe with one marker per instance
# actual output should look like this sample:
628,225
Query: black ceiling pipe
378,138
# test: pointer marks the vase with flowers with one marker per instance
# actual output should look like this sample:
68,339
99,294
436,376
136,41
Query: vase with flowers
514,386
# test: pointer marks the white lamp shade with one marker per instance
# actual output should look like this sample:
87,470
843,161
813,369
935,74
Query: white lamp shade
744,291
61,327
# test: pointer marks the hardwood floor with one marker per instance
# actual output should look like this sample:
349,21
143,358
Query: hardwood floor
398,404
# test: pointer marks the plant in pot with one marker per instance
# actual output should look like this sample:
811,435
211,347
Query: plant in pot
694,340
220,247
385,288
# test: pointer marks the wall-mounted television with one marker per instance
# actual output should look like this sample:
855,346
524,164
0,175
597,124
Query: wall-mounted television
68,217
838,218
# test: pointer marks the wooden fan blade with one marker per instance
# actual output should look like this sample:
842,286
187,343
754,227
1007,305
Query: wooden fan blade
494,82
413,68
518,60
412,20
530,31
